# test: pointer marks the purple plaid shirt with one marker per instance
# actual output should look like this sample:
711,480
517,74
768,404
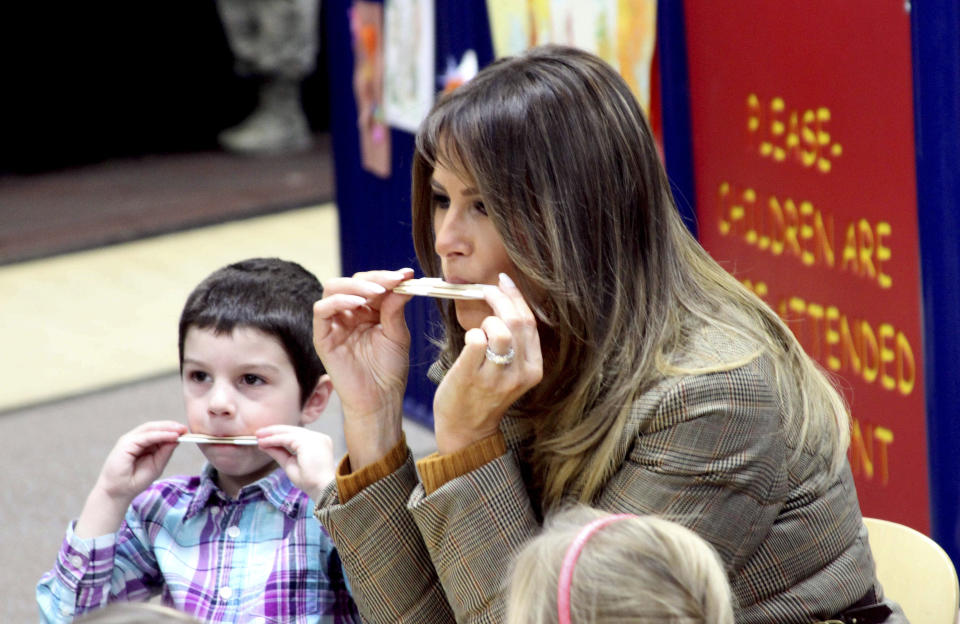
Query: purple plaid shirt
260,558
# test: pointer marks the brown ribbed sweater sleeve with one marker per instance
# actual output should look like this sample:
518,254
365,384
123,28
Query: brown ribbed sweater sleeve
435,469
351,483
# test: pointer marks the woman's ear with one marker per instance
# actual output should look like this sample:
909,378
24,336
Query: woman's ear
317,401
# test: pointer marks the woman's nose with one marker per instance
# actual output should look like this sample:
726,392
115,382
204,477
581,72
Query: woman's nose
450,235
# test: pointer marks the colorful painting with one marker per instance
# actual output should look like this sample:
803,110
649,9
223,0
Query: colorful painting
621,32
409,44
366,19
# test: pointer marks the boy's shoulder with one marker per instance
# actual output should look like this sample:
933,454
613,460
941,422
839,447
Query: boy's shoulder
167,494
182,484
190,493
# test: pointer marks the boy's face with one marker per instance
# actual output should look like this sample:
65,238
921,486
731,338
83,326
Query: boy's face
234,384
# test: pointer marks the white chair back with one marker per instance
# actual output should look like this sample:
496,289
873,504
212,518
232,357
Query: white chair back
915,572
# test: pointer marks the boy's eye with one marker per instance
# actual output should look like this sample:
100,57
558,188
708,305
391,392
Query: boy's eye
479,207
198,376
252,380
440,201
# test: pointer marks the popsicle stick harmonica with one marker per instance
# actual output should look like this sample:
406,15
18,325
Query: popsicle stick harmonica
436,287
202,438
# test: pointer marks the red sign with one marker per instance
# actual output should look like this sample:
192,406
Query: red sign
802,125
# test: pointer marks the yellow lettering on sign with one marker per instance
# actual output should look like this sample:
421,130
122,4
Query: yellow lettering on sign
866,251
843,344
783,134
778,225
906,365
783,226
869,454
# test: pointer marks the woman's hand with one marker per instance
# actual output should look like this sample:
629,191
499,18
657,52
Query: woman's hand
306,456
476,392
136,460
361,336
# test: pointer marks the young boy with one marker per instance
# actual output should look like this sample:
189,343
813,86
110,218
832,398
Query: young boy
239,541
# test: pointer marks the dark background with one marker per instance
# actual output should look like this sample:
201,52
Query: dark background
86,82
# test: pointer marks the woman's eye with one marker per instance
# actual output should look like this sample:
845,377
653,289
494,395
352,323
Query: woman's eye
479,207
440,201
252,380
198,376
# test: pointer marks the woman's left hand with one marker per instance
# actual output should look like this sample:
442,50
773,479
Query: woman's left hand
306,456
476,392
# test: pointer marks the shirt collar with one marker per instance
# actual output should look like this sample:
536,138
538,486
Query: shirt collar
276,488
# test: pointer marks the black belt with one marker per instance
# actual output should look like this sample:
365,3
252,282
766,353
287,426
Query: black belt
864,611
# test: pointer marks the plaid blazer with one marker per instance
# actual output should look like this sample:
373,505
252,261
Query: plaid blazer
707,450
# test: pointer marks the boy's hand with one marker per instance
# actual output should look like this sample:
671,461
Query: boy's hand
136,461
306,456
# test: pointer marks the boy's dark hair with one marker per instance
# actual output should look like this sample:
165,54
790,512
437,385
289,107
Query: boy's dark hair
273,295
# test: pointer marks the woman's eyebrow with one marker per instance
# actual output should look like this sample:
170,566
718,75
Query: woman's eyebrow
465,192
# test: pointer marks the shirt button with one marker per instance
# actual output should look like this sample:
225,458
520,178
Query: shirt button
225,593
76,561
233,531
66,609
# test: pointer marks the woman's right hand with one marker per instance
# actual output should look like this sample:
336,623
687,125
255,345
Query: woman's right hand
361,336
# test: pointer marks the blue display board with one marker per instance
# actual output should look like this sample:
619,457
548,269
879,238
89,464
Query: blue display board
936,80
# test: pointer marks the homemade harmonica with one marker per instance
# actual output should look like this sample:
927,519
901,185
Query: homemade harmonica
202,438
436,287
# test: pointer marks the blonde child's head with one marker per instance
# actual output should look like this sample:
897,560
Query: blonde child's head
619,568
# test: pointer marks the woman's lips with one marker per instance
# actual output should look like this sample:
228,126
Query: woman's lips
455,279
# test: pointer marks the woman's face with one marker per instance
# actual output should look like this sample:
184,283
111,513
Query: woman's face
470,248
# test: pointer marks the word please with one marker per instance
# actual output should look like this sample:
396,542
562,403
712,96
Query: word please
791,135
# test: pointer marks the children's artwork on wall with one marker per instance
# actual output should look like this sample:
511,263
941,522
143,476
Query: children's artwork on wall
409,78
366,20
458,73
509,26
621,32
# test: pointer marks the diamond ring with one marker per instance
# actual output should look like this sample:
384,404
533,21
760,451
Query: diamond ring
501,358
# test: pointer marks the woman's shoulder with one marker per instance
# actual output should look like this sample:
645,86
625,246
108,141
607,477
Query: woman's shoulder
718,373
711,347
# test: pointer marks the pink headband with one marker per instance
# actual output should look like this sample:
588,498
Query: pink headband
570,560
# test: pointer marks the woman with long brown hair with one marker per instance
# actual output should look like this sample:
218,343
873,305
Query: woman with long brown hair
612,362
